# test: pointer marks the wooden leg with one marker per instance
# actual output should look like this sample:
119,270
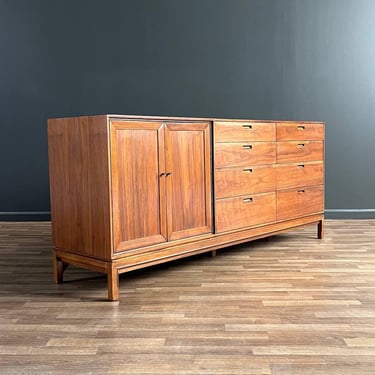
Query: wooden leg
113,283
321,229
58,269
213,253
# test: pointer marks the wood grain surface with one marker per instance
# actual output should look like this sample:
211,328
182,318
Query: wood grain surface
299,202
188,179
79,182
139,218
244,154
299,174
288,305
299,151
230,131
231,182
241,212
299,131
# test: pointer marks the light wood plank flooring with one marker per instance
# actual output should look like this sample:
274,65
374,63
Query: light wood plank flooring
288,305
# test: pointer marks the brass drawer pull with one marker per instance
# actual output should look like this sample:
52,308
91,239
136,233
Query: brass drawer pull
300,191
250,170
301,145
250,127
301,127
301,165
248,200
248,147
168,174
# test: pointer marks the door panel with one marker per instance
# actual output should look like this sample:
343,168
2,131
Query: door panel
188,183
139,215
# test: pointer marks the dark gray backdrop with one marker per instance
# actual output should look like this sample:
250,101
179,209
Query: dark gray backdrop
258,59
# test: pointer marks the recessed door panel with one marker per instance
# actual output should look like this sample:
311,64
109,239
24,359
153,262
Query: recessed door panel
138,210
188,185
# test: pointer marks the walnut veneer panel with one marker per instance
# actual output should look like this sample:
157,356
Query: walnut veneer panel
299,131
188,179
139,218
299,151
79,184
299,202
299,174
244,180
227,131
244,154
246,211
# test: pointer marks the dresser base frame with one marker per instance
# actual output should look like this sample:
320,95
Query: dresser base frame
133,261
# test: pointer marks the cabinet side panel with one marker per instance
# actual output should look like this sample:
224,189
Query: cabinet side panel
79,184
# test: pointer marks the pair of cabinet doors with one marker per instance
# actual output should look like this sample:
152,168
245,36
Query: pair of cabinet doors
161,182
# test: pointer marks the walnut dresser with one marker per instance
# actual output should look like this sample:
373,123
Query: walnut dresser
128,192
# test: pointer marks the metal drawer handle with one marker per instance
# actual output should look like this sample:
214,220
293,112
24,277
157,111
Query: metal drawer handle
248,147
301,165
248,200
301,127
250,170
168,174
300,145
250,127
301,191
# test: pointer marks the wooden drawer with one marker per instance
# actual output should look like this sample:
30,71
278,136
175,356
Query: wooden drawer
299,131
226,131
244,154
299,202
240,181
245,211
298,175
294,152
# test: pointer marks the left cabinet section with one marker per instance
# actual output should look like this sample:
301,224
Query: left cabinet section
127,191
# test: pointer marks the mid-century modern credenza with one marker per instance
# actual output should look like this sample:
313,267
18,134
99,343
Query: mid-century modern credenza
133,191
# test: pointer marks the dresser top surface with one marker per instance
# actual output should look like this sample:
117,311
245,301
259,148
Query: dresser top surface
213,119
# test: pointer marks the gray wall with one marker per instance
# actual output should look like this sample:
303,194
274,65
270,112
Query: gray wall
258,59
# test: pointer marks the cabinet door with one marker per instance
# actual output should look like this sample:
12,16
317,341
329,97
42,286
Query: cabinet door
188,179
138,191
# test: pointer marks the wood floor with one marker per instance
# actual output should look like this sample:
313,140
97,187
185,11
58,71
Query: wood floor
288,305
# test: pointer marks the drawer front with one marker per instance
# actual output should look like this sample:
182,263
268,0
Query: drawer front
298,175
294,203
244,154
244,180
299,131
294,152
245,211
226,131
